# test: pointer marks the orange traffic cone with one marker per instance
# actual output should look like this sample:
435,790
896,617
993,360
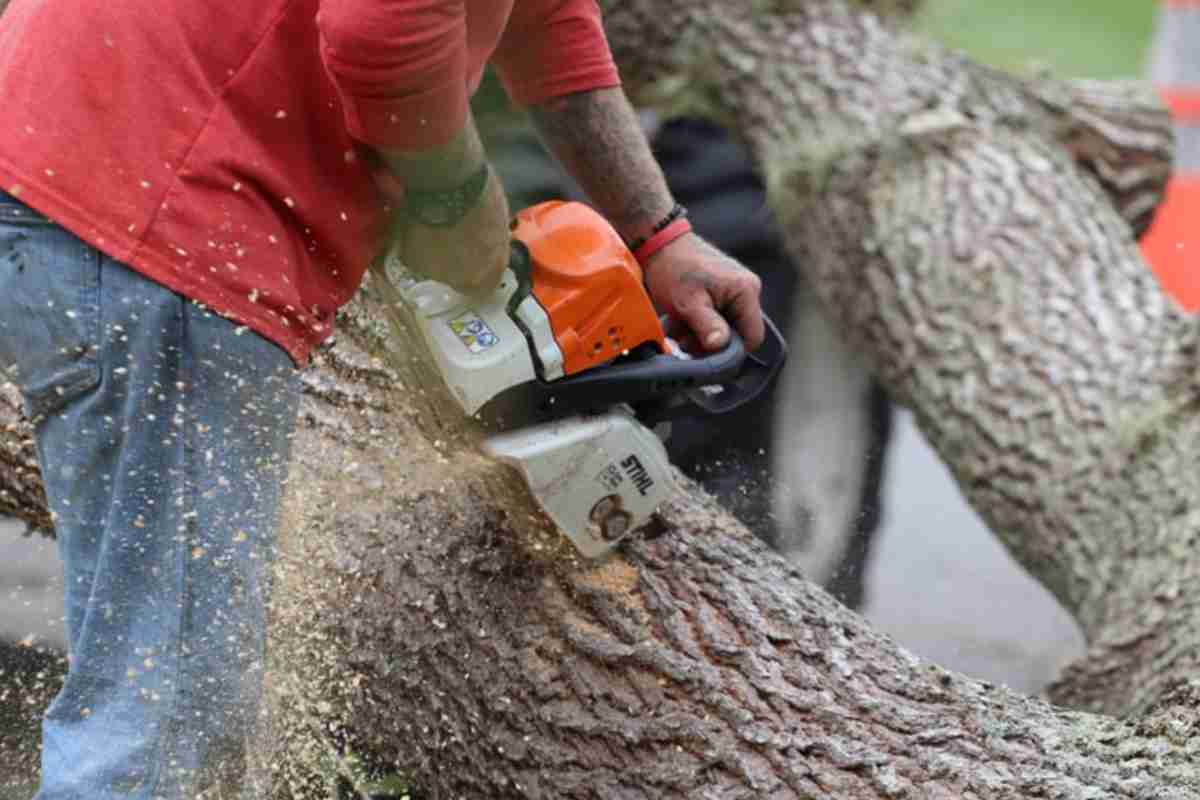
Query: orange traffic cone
1172,245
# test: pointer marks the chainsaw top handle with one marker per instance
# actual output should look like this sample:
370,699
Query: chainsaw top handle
662,386
577,268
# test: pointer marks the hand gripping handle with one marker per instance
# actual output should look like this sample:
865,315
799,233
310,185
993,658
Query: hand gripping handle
755,374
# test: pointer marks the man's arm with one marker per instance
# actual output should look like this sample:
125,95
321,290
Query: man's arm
400,68
467,246
597,138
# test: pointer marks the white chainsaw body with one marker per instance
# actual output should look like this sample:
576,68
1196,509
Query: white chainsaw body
597,476
480,350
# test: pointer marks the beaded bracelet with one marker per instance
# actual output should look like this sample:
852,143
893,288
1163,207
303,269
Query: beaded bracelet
675,213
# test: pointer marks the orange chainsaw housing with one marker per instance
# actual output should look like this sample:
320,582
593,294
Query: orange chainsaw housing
589,284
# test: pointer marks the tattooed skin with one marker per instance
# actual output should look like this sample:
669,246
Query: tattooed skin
698,278
597,138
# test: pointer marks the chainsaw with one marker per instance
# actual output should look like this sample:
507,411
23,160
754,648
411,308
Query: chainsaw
567,365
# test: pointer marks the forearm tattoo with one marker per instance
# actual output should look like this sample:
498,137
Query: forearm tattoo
597,138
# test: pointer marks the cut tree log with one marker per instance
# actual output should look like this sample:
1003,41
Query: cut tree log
30,676
971,232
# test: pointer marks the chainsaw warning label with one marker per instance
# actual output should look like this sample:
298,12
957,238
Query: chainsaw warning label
611,477
473,332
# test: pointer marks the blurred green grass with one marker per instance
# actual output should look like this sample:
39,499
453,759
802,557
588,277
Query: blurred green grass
1081,38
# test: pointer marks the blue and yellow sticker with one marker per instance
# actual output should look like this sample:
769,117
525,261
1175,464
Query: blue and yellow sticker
473,332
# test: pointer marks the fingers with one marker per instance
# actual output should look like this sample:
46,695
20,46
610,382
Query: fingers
745,309
706,323
722,297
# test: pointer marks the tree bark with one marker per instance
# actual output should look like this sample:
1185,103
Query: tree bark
30,676
936,209
21,492
971,233
471,652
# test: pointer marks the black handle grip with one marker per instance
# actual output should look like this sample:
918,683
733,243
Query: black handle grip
641,380
664,386
758,371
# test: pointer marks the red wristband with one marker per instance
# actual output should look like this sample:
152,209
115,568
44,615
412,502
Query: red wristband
661,239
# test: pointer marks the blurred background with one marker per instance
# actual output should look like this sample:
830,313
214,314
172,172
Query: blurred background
1083,38
935,579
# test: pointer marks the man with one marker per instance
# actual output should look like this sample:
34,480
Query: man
192,189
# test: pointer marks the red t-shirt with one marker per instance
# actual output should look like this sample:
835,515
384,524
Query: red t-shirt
213,145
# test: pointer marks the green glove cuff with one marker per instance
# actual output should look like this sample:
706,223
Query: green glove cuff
445,208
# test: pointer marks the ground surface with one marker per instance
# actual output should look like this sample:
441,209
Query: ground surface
30,588
942,585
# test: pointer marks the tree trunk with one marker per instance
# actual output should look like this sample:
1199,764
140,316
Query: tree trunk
936,209
471,652
429,623
30,676
21,492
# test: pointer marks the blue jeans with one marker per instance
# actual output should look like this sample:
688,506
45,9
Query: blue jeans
163,432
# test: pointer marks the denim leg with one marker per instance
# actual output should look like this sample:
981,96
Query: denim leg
163,432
